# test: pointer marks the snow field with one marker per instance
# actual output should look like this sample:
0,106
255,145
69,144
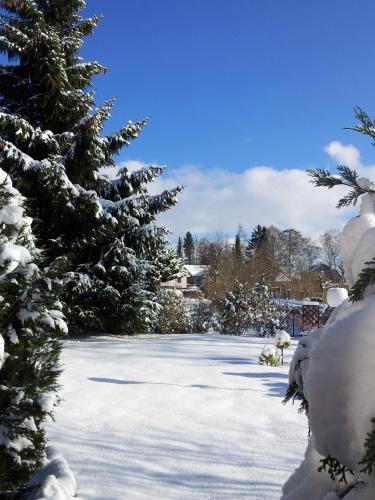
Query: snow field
176,417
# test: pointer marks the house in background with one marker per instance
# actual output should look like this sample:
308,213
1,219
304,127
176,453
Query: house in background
193,279
196,274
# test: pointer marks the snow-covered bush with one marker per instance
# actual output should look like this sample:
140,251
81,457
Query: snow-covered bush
201,314
31,324
173,315
333,370
283,341
235,315
269,356
264,314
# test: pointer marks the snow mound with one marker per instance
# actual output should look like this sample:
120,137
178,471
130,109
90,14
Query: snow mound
336,296
55,480
351,239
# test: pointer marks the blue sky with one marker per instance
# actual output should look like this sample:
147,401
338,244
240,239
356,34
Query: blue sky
236,84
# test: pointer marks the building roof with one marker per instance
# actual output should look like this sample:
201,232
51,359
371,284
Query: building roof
196,271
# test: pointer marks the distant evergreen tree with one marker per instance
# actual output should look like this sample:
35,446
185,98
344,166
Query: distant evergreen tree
189,248
257,238
238,249
264,315
234,308
102,232
31,324
179,248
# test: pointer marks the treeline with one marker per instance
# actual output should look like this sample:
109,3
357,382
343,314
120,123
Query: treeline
293,264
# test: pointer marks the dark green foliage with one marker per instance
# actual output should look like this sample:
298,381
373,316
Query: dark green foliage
264,314
52,145
295,394
235,315
31,325
368,460
257,239
189,248
335,470
366,277
179,248
238,249
347,177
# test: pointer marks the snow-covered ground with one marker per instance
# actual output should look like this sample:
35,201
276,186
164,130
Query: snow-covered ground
176,417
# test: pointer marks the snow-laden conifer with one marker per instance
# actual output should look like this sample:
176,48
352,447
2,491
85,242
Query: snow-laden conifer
235,314
31,325
332,371
102,232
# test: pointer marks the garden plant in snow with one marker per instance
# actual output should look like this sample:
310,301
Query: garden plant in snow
173,315
201,314
332,370
282,342
31,326
235,315
100,233
263,313
269,356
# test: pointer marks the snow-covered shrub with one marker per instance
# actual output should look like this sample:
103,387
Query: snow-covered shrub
235,315
264,314
333,371
201,314
283,339
269,356
31,324
173,315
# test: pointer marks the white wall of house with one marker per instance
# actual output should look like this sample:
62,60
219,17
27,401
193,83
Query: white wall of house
180,283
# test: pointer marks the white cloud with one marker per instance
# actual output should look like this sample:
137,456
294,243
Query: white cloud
349,155
219,200
346,155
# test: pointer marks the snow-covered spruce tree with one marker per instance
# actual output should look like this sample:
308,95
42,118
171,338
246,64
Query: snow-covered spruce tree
238,251
333,369
103,231
235,314
264,315
31,325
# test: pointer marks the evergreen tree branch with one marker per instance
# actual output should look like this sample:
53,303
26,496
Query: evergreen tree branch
368,460
335,469
366,278
347,177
